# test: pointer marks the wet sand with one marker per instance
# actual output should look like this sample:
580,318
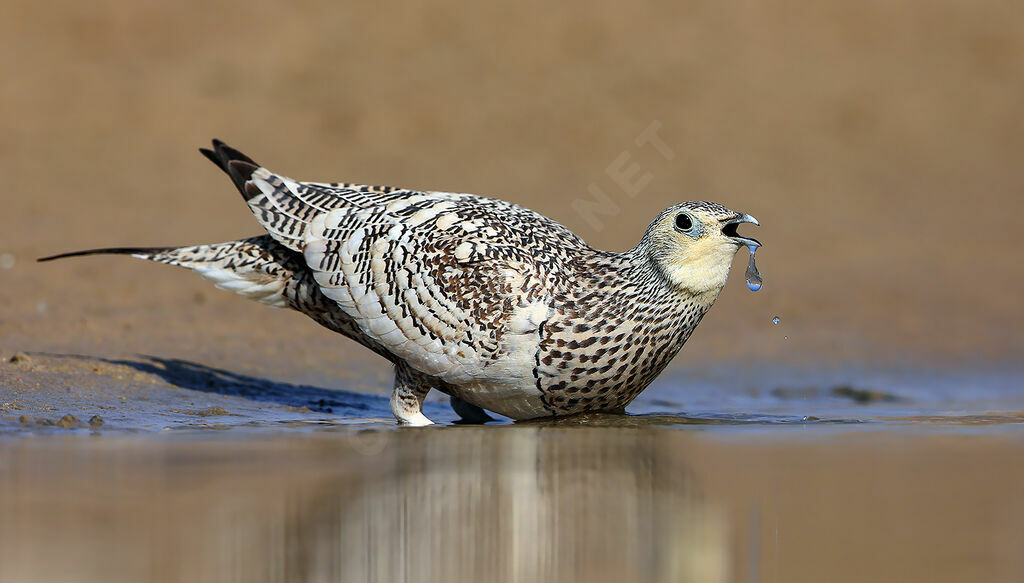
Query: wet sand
46,394
152,428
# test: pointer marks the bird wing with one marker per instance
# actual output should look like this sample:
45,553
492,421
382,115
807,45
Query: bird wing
451,283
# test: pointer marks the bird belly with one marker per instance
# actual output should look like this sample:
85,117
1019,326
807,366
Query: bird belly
506,385
517,401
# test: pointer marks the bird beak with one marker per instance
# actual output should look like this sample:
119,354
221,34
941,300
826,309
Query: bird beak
729,230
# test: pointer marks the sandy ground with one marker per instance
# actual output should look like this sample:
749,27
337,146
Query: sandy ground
874,433
880,146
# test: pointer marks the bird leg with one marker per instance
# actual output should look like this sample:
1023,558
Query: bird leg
407,397
468,412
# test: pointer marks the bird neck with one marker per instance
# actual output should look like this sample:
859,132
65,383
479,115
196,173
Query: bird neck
699,282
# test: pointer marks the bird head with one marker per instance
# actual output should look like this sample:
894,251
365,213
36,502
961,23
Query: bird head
693,244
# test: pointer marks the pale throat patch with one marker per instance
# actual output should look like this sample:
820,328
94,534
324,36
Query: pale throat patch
703,268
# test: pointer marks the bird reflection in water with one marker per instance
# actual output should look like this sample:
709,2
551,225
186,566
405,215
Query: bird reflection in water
516,503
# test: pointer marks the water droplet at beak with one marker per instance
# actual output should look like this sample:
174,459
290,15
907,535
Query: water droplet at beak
753,275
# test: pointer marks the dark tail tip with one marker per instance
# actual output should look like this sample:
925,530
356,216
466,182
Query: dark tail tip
241,173
236,164
110,251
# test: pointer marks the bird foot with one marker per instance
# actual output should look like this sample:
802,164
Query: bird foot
416,420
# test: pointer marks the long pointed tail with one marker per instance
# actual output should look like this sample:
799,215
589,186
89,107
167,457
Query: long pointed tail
258,268
140,252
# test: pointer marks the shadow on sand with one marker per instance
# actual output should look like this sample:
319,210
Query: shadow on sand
194,376
200,377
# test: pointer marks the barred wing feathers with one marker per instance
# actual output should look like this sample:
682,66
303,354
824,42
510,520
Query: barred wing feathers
450,283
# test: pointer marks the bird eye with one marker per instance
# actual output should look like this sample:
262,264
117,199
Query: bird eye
684,222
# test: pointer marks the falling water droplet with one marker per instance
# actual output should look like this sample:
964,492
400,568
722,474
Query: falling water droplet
753,276
776,320
785,337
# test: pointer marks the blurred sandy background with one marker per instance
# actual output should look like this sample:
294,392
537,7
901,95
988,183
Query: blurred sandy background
880,143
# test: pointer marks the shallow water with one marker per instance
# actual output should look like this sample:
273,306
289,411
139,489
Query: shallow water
655,500
720,474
